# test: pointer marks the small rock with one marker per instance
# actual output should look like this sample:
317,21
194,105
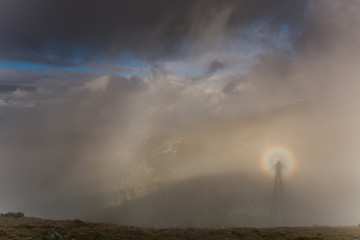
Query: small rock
53,236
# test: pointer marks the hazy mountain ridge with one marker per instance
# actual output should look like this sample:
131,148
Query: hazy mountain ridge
209,201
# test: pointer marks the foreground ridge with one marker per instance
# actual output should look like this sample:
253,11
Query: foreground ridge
36,228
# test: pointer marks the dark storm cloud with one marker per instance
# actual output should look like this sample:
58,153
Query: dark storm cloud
57,32
215,66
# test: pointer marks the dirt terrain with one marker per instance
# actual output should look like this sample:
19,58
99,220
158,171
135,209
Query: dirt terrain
35,228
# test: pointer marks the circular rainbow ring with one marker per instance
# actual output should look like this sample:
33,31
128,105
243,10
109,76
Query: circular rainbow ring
274,153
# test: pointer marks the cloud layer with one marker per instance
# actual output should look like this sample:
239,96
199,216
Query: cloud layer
65,32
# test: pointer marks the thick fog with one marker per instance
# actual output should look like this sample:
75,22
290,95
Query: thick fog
178,141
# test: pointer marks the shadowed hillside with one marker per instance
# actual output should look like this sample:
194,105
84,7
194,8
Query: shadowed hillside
212,201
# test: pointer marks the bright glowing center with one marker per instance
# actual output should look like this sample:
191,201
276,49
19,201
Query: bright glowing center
274,153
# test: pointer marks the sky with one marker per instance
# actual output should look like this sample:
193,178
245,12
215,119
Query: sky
105,104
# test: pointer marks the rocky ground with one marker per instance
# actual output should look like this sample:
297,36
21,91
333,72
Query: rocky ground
34,228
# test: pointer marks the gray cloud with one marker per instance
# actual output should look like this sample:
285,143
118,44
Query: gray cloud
215,66
56,33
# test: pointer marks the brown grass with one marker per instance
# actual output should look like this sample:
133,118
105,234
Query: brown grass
34,228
